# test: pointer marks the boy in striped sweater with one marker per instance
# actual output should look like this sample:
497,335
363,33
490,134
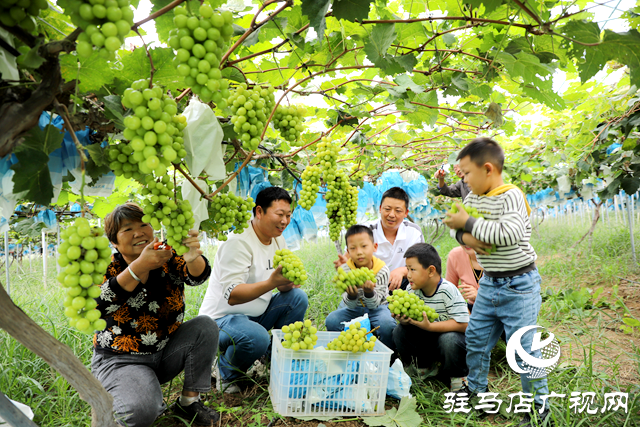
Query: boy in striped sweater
509,293
370,298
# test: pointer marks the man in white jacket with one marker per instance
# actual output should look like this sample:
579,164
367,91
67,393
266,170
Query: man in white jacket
240,295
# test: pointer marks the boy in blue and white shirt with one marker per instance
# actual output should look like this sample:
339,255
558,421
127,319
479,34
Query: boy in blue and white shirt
442,340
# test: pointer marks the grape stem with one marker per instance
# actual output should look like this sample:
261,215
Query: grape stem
64,113
146,49
186,175
233,175
374,329
254,26
157,13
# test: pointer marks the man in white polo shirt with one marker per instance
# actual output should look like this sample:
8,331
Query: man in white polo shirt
240,295
394,234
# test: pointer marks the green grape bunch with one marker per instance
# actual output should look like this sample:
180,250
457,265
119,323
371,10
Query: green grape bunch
354,340
357,174
22,13
300,336
200,43
473,212
250,109
292,267
288,121
84,255
355,277
227,212
342,204
403,303
155,132
160,209
341,196
105,24
310,186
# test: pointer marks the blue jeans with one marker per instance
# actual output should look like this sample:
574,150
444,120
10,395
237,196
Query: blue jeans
503,303
244,339
379,316
134,379
427,347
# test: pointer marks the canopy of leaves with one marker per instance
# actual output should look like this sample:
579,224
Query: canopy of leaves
399,84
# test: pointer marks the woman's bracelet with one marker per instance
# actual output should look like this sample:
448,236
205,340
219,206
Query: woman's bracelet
135,277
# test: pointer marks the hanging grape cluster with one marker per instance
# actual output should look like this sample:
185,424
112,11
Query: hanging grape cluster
160,209
200,43
154,131
227,212
300,335
250,109
354,340
310,186
288,121
105,24
84,258
403,303
355,277
292,267
341,196
21,13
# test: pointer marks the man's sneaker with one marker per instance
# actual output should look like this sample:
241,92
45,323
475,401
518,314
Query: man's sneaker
537,419
197,413
474,399
221,385
258,369
457,383
429,372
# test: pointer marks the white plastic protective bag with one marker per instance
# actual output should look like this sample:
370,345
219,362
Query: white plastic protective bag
24,408
198,203
203,141
399,382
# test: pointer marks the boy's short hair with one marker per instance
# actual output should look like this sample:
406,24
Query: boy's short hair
483,150
358,229
426,256
267,196
396,193
128,212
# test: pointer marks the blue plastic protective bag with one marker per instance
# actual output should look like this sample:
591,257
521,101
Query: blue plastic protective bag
292,235
399,383
306,224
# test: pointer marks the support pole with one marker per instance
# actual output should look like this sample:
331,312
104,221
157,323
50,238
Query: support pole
30,257
44,258
6,260
630,215
57,246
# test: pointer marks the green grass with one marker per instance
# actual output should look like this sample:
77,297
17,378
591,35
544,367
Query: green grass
599,360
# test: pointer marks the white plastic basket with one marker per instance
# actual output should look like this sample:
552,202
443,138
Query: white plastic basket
328,383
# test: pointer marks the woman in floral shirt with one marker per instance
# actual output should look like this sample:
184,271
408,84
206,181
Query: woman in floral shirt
146,343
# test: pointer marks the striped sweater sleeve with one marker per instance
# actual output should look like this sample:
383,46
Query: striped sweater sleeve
509,229
380,291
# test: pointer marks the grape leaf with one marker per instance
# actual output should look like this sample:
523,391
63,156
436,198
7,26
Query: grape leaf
594,57
489,5
407,61
32,170
315,10
93,73
630,185
351,10
113,110
624,47
376,47
231,73
32,59
405,416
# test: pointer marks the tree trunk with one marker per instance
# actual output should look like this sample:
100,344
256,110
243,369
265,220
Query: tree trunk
58,356
596,217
